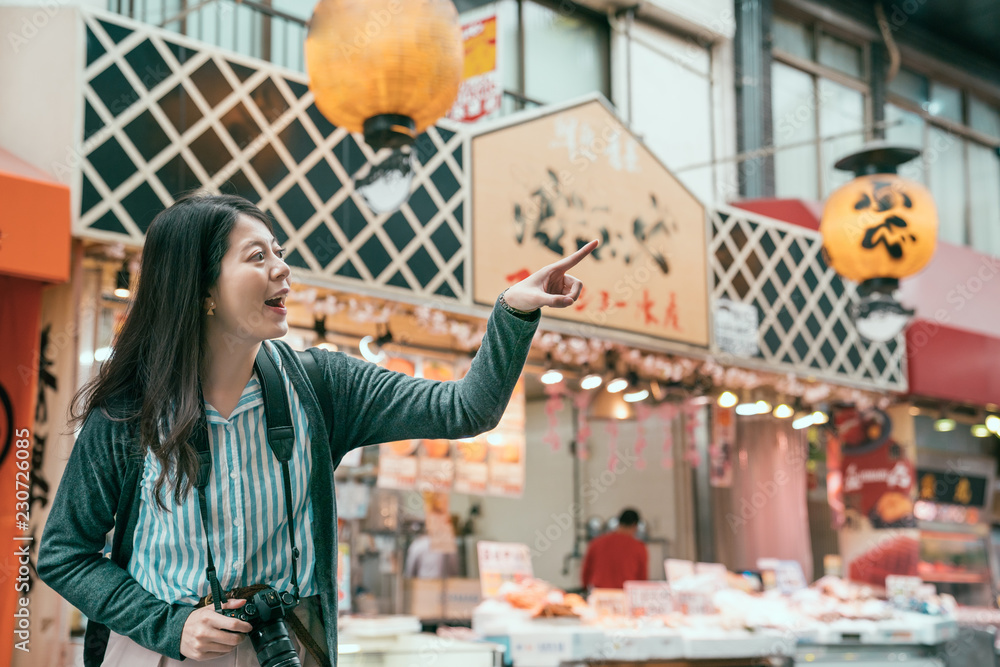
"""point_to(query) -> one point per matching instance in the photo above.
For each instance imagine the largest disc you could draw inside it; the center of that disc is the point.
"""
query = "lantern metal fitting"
(878, 229)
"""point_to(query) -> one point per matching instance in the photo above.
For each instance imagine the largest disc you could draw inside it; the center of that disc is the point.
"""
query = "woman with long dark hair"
(210, 298)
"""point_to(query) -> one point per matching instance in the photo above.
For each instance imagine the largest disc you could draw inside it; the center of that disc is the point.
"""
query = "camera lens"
(274, 645)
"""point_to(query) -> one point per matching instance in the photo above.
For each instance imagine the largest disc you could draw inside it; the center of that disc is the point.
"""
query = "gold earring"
(211, 308)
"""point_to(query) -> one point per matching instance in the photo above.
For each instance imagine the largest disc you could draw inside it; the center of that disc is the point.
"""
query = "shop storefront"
(730, 335)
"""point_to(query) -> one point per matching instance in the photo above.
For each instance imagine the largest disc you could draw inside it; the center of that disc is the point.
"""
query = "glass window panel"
(946, 102)
(842, 118)
(243, 39)
(508, 52)
(566, 54)
(297, 8)
(656, 115)
(906, 129)
(793, 38)
(910, 85)
(946, 156)
(683, 51)
(984, 118)
(984, 184)
(840, 55)
(794, 115)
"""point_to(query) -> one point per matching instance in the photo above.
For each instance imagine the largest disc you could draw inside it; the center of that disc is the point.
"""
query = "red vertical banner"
(879, 536)
(20, 312)
(722, 446)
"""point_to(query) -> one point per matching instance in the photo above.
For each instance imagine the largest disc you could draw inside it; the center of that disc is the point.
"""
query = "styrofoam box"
(415, 649)
(639, 645)
(911, 628)
(461, 597)
(737, 644)
(425, 598)
(543, 646)
(379, 626)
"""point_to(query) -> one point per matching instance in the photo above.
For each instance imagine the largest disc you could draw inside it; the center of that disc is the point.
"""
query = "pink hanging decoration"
(667, 413)
(642, 414)
(582, 402)
(612, 444)
(692, 414)
(552, 407)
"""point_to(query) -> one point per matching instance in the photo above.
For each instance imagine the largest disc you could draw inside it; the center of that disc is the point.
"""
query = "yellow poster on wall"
(480, 93)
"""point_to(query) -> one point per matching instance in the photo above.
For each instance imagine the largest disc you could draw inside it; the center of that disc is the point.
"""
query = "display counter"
(395, 641)
(831, 623)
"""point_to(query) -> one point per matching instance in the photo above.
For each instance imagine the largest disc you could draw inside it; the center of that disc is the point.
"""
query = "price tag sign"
(500, 562)
(648, 598)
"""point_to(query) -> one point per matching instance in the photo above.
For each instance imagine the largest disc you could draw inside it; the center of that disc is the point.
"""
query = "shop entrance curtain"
(763, 514)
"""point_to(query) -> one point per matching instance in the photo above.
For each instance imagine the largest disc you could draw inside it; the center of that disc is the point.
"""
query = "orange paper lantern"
(879, 226)
(388, 68)
(878, 229)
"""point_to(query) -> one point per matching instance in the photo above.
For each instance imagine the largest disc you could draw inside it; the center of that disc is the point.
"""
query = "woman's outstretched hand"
(550, 286)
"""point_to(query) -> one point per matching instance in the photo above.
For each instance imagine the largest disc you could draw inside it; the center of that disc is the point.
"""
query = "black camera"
(270, 637)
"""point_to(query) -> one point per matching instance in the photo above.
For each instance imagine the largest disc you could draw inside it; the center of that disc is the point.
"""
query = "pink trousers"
(123, 652)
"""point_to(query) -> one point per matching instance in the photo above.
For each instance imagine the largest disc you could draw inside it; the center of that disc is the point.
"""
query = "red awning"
(35, 222)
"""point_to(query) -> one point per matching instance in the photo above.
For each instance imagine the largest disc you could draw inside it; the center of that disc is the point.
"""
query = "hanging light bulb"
(385, 185)
(617, 385)
(783, 411)
(980, 431)
(552, 376)
(820, 417)
(123, 281)
(590, 379)
(944, 425)
(993, 423)
(763, 407)
(728, 399)
(804, 422)
(636, 396)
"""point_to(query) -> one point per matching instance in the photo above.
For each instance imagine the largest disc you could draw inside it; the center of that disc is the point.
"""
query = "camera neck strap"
(281, 440)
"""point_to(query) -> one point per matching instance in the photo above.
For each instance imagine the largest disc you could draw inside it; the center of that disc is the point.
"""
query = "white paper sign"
(736, 326)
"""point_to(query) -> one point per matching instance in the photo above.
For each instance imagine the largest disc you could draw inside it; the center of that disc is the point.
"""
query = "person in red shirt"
(616, 557)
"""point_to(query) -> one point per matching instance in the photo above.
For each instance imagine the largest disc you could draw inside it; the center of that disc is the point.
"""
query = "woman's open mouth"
(277, 304)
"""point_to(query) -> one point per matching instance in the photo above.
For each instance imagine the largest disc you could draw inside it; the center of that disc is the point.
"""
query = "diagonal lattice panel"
(164, 115)
(802, 304)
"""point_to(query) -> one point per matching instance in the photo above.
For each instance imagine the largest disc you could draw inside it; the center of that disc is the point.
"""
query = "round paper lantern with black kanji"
(388, 68)
(879, 226)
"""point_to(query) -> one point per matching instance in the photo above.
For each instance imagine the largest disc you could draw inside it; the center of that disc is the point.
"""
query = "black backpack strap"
(323, 393)
(95, 641)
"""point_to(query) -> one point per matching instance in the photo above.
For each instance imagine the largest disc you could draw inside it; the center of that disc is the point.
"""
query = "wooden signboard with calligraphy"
(545, 187)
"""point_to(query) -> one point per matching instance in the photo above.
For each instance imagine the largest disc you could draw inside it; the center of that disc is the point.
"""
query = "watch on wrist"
(511, 309)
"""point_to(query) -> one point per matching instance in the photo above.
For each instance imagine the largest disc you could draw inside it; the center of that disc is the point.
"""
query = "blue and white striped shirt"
(246, 510)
